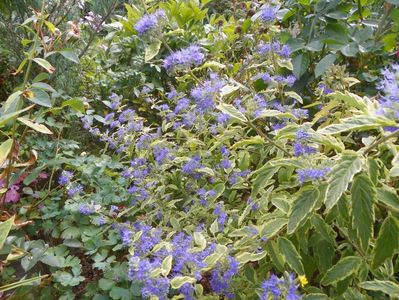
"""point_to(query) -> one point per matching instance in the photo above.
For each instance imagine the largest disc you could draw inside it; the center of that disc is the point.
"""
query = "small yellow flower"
(303, 280)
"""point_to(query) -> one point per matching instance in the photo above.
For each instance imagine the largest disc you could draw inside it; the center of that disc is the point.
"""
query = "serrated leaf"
(358, 123)
(272, 227)
(5, 149)
(38, 127)
(363, 199)
(387, 242)
(343, 269)
(5, 228)
(388, 287)
(232, 112)
(44, 64)
(341, 175)
(389, 197)
(324, 64)
(263, 177)
(152, 50)
(178, 281)
(291, 255)
(302, 208)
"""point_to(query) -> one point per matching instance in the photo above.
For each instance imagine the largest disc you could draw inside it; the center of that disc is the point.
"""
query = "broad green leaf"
(38, 96)
(358, 123)
(178, 281)
(272, 227)
(343, 269)
(44, 64)
(8, 117)
(5, 149)
(5, 228)
(38, 127)
(341, 175)
(11, 99)
(76, 104)
(363, 200)
(387, 242)
(388, 196)
(43, 86)
(291, 255)
(301, 64)
(324, 64)
(350, 99)
(388, 287)
(232, 112)
(302, 208)
(70, 55)
(152, 50)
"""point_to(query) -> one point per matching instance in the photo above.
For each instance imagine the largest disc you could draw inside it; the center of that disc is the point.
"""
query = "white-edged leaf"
(388, 287)
(44, 64)
(341, 176)
(343, 269)
(302, 208)
(232, 112)
(5, 149)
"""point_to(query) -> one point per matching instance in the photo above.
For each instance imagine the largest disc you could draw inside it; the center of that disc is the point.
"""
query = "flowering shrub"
(221, 171)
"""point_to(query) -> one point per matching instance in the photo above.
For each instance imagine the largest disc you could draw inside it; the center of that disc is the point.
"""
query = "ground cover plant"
(205, 149)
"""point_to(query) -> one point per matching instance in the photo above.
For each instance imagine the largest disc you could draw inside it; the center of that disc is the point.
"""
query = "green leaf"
(388, 287)
(5, 228)
(8, 117)
(76, 104)
(178, 281)
(166, 265)
(291, 255)
(272, 227)
(341, 175)
(245, 257)
(152, 50)
(324, 64)
(302, 208)
(363, 199)
(200, 240)
(301, 63)
(20, 283)
(232, 112)
(38, 96)
(387, 242)
(315, 296)
(343, 269)
(11, 99)
(388, 196)
(120, 293)
(359, 123)
(70, 55)
(38, 127)
(5, 149)
(263, 178)
(44, 64)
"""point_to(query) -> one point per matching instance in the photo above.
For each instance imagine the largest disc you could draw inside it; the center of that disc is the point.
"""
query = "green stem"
(376, 143)
(264, 135)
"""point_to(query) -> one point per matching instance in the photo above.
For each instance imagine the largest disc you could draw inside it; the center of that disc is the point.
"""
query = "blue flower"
(191, 167)
(312, 174)
(204, 95)
(268, 13)
(221, 214)
(271, 286)
(87, 209)
(65, 177)
(75, 190)
(149, 22)
(161, 154)
(184, 59)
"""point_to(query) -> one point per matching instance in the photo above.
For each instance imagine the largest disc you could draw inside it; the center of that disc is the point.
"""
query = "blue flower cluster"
(268, 13)
(184, 59)
(280, 287)
(312, 174)
(301, 146)
(283, 51)
(389, 85)
(204, 94)
(221, 279)
(149, 23)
